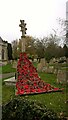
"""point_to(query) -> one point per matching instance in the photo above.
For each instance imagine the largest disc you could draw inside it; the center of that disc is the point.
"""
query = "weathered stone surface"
(47, 69)
(14, 64)
(43, 62)
(41, 66)
(62, 76)
(3, 50)
(50, 69)
(55, 71)
(35, 60)
(10, 81)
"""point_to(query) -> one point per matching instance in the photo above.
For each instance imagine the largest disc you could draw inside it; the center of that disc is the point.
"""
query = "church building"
(3, 50)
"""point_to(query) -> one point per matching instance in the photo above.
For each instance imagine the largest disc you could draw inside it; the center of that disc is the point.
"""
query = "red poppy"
(26, 86)
(28, 80)
(55, 89)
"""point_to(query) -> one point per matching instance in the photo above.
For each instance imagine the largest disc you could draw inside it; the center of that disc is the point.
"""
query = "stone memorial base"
(10, 81)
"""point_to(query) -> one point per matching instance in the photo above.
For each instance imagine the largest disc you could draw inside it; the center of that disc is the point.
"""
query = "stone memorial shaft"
(23, 30)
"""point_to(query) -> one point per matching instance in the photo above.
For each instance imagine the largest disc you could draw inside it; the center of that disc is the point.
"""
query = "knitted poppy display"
(28, 81)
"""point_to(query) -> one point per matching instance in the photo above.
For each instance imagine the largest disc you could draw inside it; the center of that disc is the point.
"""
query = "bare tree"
(15, 49)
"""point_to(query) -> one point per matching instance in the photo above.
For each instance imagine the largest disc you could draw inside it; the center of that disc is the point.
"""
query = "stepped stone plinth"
(10, 81)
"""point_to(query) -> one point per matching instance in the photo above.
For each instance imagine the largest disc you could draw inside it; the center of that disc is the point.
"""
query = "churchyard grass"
(7, 69)
(54, 100)
(7, 93)
(0, 69)
(0, 91)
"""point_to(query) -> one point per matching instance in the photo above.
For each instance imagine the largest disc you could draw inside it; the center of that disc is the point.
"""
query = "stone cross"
(23, 30)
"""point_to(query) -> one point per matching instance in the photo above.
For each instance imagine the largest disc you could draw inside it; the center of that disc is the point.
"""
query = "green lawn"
(0, 91)
(7, 69)
(7, 93)
(54, 100)
(0, 69)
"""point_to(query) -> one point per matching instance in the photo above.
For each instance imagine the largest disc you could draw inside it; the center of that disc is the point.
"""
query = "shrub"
(23, 109)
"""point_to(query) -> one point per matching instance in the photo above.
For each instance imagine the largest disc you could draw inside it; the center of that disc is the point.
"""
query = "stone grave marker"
(62, 76)
(48, 69)
(55, 71)
(41, 65)
(35, 60)
(14, 64)
(57, 66)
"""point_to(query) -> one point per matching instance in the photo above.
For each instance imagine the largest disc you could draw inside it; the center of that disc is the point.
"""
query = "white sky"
(40, 16)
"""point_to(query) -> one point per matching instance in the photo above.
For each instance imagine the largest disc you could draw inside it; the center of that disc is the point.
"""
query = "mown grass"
(0, 91)
(7, 69)
(0, 69)
(54, 100)
(7, 93)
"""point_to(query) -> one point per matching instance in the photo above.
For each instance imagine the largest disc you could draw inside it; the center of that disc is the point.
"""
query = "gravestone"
(52, 61)
(14, 64)
(35, 60)
(66, 61)
(57, 66)
(55, 71)
(41, 65)
(62, 76)
(42, 62)
(48, 69)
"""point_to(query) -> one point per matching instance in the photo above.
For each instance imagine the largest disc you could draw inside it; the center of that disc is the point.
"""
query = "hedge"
(23, 109)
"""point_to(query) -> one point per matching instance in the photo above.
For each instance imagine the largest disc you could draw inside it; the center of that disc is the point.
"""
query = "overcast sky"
(40, 16)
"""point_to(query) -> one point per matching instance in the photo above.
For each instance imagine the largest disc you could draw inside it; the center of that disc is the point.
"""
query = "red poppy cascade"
(28, 81)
